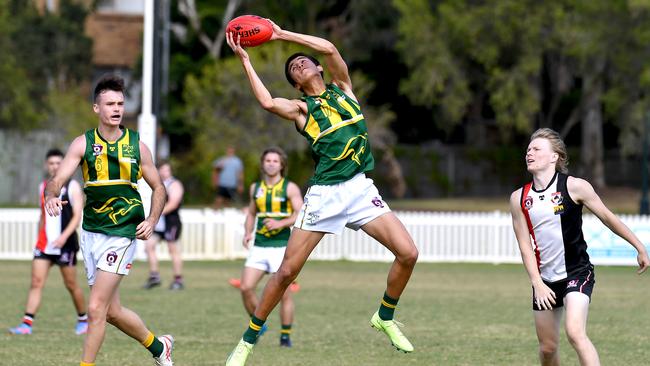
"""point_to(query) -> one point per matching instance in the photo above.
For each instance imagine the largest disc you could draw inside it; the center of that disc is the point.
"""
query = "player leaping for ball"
(330, 117)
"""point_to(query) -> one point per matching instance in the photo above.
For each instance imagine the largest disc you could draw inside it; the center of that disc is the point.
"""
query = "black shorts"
(172, 230)
(582, 282)
(227, 193)
(66, 258)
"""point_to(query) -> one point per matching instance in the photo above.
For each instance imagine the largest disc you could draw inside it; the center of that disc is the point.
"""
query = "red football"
(252, 30)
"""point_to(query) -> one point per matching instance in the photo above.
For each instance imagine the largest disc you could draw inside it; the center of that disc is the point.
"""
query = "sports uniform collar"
(532, 185)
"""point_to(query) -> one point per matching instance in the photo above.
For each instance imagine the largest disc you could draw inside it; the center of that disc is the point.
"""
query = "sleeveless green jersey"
(337, 132)
(111, 171)
(272, 202)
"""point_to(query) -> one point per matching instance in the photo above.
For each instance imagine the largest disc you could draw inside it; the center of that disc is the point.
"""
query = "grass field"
(455, 314)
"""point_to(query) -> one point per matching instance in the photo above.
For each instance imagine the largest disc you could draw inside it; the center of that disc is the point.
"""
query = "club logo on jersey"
(558, 210)
(377, 202)
(128, 151)
(556, 198)
(541, 197)
(111, 148)
(528, 202)
(97, 149)
(572, 283)
(118, 206)
(259, 193)
(354, 148)
(111, 257)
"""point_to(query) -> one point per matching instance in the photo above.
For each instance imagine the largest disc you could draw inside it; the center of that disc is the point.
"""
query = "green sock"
(254, 326)
(285, 333)
(153, 345)
(387, 307)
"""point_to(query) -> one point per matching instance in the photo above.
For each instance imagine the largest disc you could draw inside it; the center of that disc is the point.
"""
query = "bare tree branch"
(188, 9)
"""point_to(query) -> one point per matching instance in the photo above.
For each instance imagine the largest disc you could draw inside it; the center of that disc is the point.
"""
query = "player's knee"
(286, 275)
(246, 289)
(576, 335)
(70, 284)
(112, 315)
(37, 283)
(96, 312)
(409, 257)
(548, 349)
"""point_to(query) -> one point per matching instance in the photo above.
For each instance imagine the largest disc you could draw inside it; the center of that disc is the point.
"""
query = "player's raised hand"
(644, 262)
(235, 45)
(54, 205)
(276, 29)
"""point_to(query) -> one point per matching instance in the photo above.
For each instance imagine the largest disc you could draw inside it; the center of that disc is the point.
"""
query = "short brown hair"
(108, 82)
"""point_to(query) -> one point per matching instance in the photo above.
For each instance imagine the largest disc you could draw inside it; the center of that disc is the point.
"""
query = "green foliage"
(16, 108)
(221, 110)
(71, 113)
(461, 52)
(458, 50)
(43, 60)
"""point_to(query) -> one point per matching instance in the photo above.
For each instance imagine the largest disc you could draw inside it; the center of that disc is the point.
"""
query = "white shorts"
(351, 204)
(112, 254)
(267, 259)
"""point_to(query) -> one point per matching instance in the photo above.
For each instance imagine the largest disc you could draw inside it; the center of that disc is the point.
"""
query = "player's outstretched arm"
(582, 191)
(158, 195)
(333, 59)
(285, 108)
(53, 204)
(544, 296)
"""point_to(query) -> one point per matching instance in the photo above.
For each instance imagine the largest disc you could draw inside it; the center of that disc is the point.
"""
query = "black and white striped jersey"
(555, 225)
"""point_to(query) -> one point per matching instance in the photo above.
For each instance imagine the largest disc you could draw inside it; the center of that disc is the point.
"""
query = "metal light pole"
(146, 120)
(644, 206)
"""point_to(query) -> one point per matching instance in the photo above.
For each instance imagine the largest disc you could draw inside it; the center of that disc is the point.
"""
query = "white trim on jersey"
(547, 227)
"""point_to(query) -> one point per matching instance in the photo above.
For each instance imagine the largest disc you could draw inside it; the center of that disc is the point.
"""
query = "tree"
(43, 58)
(16, 108)
(529, 64)
(217, 106)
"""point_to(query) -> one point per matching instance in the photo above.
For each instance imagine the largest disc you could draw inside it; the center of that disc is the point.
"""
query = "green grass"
(455, 314)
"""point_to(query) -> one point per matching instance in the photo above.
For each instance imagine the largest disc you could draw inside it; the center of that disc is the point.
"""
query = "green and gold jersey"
(338, 135)
(272, 202)
(111, 171)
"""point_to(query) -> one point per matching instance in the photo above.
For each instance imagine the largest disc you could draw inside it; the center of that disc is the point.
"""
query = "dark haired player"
(112, 159)
(330, 118)
(57, 244)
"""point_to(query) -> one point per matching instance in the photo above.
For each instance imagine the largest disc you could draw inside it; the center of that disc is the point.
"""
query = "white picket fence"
(440, 237)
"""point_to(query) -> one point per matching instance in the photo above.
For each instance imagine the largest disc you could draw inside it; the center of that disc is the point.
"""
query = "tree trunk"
(394, 174)
(592, 149)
